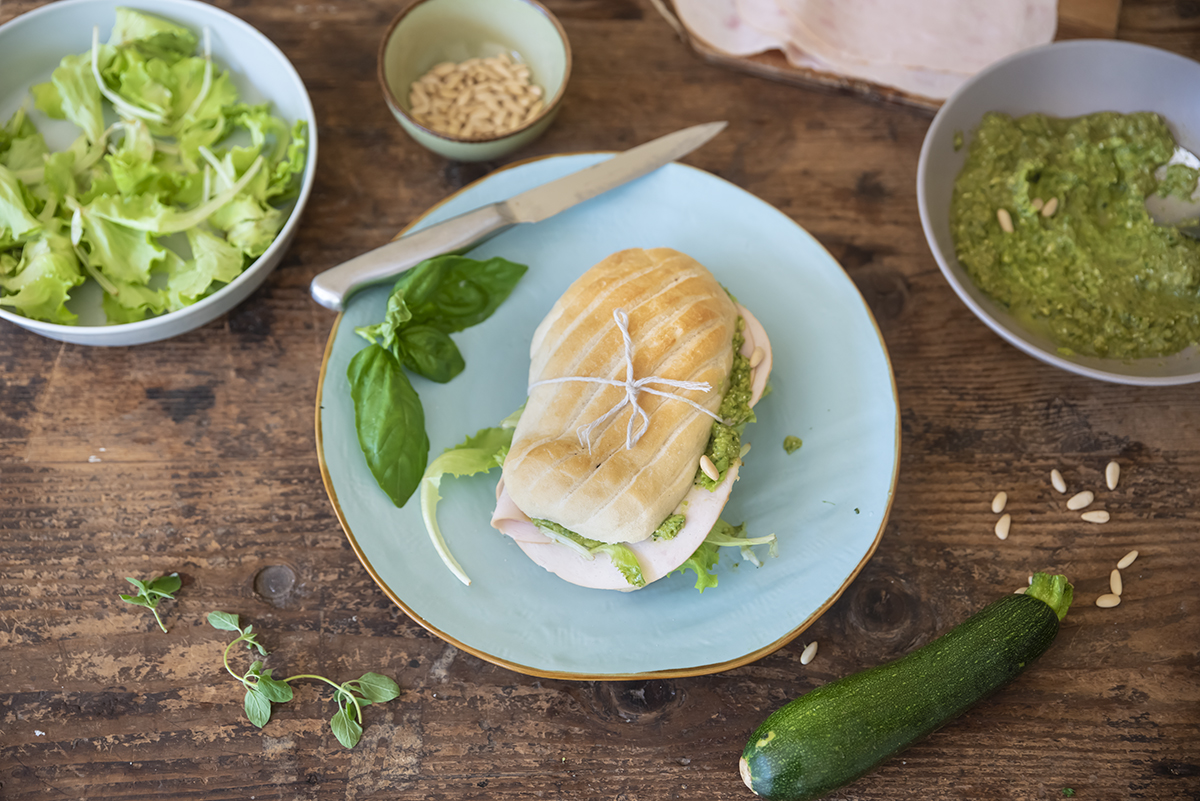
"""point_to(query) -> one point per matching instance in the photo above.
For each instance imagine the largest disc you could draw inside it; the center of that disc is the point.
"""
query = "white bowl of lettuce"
(150, 183)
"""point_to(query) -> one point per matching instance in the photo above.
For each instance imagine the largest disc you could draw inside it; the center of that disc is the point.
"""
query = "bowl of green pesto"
(1032, 187)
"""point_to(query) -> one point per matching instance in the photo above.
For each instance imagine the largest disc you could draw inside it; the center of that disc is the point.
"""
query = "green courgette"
(836, 733)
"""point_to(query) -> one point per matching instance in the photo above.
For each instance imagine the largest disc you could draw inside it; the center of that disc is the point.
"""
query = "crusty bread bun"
(681, 324)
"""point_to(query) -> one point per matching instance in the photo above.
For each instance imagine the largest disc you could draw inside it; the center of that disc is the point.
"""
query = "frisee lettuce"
(186, 157)
(476, 454)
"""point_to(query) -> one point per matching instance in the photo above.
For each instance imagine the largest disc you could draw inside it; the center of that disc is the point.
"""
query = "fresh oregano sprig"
(149, 593)
(262, 689)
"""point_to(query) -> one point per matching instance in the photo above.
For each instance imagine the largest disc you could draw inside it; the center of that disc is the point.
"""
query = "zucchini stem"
(1055, 591)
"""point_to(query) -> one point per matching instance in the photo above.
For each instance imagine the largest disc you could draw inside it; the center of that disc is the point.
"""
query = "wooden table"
(197, 455)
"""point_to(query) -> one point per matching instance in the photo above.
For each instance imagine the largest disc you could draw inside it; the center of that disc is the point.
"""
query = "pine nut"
(1005, 220)
(809, 652)
(1112, 475)
(1056, 480)
(1003, 525)
(1050, 207)
(478, 97)
(710, 469)
(745, 449)
(1020, 590)
(1108, 600)
(1114, 582)
(999, 502)
(1127, 559)
(756, 357)
(1037, 203)
(1095, 516)
(1081, 500)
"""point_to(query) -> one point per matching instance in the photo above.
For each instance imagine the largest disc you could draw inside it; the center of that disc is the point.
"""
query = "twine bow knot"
(633, 387)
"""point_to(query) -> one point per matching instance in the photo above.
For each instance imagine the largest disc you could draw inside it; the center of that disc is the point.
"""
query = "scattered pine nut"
(1005, 219)
(809, 652)
(1081, 500)
(745, 449)
(1112, 474)
(1108, 600)
(1037, 203)
(1031, 580)
(709, 468)
(1003, 525)
(1095, 516)
(1050, 207)
(1020, 590)
(1056, 480)
(756, 357)
(1127, 560)
(1114, 582)
(999, 502)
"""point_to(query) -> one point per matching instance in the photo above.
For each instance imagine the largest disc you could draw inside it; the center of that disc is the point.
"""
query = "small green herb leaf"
(150, 593)
(273, 689)
(167, 585)
(258, 707)
(223, 621)
(347, 730)
(376, 688)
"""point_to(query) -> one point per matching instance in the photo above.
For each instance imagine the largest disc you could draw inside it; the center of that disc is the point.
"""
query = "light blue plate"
(832, 386)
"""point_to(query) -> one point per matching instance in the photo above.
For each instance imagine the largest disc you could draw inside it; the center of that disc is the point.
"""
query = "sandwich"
(643, 376)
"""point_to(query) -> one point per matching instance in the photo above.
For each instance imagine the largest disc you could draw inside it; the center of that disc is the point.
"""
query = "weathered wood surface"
(206, 466)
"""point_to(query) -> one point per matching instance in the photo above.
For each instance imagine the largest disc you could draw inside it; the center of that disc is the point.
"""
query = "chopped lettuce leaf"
(41, 281)
(16, 218)
(477, 454)
(723, 535)
(72, 93)
(152, 35)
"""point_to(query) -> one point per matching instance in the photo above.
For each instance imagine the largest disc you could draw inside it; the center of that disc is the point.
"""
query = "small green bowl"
(429, 32)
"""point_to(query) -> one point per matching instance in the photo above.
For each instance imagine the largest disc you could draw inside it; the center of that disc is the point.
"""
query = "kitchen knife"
(333, 287)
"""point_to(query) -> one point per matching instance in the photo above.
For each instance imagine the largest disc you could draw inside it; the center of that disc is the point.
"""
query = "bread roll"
(681, 322)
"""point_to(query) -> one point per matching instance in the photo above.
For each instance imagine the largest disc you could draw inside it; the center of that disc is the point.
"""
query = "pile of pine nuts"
(479, 98)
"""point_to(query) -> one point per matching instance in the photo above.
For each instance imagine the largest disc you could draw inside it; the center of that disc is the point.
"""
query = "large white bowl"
(32, 45)
(1064, 79)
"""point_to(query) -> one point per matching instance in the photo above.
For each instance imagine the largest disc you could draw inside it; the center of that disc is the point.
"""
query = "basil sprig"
(436, 298)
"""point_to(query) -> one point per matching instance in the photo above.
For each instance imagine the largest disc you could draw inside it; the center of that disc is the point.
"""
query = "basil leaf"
(394, 318)
(258, 708)
(346, 730)
(390, 422)
(377, 688)
(224, 621)
(431, 353)
(452, 293)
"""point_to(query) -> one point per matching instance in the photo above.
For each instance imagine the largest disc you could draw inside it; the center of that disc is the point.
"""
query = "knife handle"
(333, 287)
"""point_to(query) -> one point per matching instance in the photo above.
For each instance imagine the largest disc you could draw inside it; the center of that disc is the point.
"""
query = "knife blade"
(333, 287)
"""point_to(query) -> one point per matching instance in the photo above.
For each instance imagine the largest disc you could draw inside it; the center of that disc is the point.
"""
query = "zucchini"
(836, 733)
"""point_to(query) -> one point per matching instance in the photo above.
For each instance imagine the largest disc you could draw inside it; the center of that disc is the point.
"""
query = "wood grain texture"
(204, 464)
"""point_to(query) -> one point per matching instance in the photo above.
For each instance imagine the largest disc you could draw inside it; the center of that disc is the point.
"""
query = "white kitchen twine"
(632, 389)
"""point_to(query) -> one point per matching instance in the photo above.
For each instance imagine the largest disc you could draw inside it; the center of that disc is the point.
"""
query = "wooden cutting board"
(1077, 19)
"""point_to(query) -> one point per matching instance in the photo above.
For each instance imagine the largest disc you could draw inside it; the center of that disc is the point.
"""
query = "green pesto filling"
(792, 444)
(725, 441)
(669, 528)
(622, 557)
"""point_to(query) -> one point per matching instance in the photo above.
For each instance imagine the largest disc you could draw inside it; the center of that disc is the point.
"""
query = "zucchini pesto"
(1048, 217)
